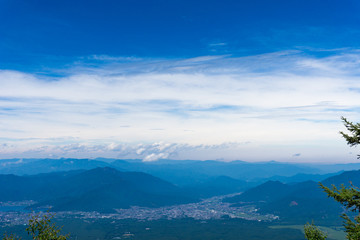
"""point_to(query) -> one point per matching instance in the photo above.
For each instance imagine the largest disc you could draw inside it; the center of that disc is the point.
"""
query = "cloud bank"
(281, 103)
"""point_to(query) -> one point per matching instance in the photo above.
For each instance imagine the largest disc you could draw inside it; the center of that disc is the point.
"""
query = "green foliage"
(353, 138)
(10, 237)
(352, 227)
(41, 228)
(313, 233)
(348, 196)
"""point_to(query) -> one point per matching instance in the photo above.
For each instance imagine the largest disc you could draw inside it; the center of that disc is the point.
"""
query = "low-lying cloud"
(146, 152)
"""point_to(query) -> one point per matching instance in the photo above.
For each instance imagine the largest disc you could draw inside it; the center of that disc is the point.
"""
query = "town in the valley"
(18, 213)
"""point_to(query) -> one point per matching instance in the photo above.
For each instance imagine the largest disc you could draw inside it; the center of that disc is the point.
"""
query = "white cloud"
(270, 99)
(147, 152)
(154, 157)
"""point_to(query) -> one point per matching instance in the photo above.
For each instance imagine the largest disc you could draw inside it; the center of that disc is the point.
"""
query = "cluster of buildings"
(212, 208)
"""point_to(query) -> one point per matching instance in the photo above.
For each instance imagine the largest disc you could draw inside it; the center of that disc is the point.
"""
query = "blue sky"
(251, 80)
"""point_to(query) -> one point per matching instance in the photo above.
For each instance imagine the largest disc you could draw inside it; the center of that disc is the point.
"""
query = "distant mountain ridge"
(92, 185)
(302, 177)
(100, 189)
(33, 166)
(303, 200)
(183, 172)
(266, 192)
(198, 179)
(347, 178)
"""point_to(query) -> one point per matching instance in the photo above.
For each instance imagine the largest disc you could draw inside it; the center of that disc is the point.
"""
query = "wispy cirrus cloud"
(271, 99)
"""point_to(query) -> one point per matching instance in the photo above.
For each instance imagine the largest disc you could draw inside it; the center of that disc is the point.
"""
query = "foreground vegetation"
(349, 197)
(182, 229)
(41, 227)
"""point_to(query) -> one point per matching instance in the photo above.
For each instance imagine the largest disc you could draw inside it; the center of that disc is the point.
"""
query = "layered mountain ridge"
(100, 189)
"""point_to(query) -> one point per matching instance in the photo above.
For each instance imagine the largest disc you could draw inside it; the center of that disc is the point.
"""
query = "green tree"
(348, 196)
(312, 232)
(41, 227)
(10, 237)
(352, 139)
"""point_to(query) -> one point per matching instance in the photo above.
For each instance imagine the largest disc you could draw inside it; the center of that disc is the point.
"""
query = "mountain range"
(104, 186)
(304, 200)
(184, 172)
(100, 189)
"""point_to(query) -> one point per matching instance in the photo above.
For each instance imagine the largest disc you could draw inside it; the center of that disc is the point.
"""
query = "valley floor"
(211, 208)
(176, 229)
(333, 233)
(210, 219)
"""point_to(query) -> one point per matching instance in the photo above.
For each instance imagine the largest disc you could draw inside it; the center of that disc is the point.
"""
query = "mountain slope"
(266, 192)
(347, 178)
(100, 189)
(303, 201)
(220, 185)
